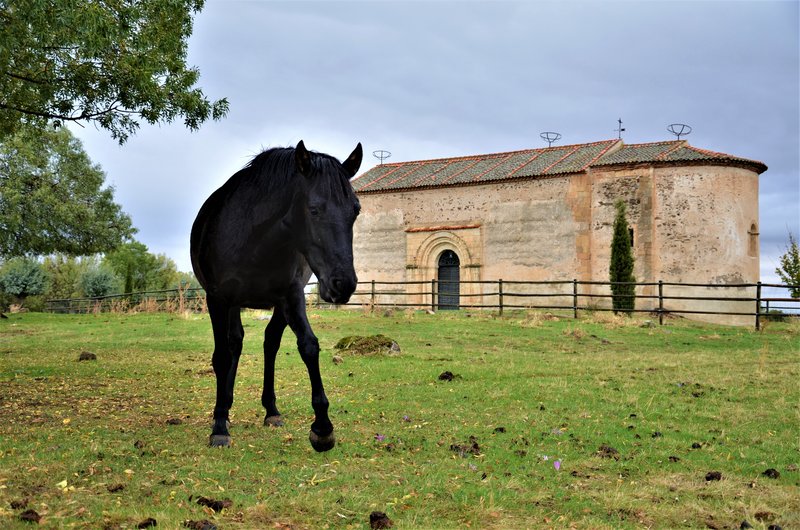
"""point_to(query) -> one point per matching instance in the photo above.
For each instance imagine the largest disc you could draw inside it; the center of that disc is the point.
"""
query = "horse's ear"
(302, 159)
(353, 161)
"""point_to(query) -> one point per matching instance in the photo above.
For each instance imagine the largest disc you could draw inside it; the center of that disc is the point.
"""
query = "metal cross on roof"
(619, 129)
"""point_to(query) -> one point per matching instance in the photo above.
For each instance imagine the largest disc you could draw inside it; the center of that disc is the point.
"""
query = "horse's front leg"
(272, 342)
(321, 435)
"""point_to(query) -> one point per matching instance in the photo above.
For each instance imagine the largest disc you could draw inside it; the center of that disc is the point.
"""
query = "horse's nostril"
(337, 284)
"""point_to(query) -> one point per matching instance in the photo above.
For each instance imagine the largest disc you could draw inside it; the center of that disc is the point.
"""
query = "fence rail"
(743, 300)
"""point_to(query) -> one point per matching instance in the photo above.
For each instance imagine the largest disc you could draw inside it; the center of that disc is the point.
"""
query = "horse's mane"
(275, 168)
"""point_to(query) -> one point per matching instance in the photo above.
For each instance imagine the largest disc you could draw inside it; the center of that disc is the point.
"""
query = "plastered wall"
(691, 224)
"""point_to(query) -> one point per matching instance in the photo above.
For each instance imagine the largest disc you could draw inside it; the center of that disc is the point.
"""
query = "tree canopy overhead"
(111, 63)
(52, 199)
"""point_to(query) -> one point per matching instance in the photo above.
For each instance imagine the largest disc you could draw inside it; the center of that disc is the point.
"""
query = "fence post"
(758, 306)
(575, 298)
(660, 302)
(500, 294)
(433, 294)
(372, 295)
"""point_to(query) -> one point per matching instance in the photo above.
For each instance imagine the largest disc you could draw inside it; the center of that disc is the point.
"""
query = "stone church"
(546, 214)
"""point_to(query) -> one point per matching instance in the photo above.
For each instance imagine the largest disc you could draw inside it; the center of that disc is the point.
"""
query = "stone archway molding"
(427, 255)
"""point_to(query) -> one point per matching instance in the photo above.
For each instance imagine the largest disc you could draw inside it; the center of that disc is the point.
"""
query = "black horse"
(255, 243)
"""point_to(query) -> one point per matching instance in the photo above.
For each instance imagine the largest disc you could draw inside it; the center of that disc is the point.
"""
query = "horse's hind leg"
(272, 341)
(228, 336)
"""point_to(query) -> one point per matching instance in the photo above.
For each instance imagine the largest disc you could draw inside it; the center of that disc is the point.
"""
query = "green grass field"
(548, 422)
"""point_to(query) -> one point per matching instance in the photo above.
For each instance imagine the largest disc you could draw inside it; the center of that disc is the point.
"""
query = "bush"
(98, 282)
(623, 297)
(23, 277)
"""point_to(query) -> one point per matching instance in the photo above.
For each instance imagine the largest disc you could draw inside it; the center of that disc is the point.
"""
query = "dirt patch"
(713, 476)
(469, 448)
(30, 516)
(87, 356)
(772, 473)
(147, 523)
(379, 520)
(447, 375)
(368, 346)
(606, 451)
(214, 504)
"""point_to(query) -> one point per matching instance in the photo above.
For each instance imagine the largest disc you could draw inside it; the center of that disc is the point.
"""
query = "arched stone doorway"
(449, 287)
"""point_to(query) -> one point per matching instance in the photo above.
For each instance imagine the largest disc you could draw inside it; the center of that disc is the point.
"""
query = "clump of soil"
(713, 475)
(606, 451)
(379, 520)
(216, 505)
(114, 488)
(371, 345)
(174, 421)
(147, 523)
(87, 356)
(469, 448)
(200, 525)
(30, 516)
(772, 473)
(447, 375)
(20, 504)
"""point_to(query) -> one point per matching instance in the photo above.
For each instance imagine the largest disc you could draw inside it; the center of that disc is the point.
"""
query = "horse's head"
(324, 217)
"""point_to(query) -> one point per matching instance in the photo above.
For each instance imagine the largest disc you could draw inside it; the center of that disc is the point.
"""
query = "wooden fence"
(746, 300)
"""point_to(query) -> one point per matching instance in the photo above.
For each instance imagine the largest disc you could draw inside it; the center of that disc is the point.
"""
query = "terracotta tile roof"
(673, 152)
(533, 163)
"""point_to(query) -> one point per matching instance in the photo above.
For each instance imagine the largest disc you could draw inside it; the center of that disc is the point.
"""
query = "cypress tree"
(621, 267)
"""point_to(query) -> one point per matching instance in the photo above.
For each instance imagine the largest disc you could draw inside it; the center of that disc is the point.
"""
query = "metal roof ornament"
(550, 137)
(679, 129)
(619, 129)
(381, 154)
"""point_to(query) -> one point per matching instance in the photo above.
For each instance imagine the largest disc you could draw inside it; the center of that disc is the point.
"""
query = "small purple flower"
(557, 465)
(406, 418)
(379, 437)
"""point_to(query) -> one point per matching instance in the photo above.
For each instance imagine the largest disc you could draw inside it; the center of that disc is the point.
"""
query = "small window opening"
(630, 233)
(752, 247)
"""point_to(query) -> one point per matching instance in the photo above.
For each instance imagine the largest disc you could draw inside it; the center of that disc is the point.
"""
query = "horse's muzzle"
(338, 288)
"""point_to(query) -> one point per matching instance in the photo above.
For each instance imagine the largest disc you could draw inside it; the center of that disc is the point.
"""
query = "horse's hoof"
(321, 443)
(273, 421)
(219, 440)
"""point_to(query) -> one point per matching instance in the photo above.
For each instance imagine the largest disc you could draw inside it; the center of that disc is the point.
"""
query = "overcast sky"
(441, 79)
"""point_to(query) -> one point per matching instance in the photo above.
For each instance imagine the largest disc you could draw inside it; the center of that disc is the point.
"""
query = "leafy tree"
(64, 273)
(51, 199)
(98, 281)
(621, 267)
(789, 269)
(23, 277)
(109, 63)
(139, 269)
(186, 280)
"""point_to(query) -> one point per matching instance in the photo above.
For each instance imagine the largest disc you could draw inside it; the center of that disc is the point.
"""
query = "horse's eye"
(313, 210)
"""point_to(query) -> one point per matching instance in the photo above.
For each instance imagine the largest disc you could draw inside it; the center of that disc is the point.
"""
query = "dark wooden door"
(449, 288)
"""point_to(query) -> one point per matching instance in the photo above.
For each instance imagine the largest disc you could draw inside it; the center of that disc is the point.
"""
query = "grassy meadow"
(548, 422)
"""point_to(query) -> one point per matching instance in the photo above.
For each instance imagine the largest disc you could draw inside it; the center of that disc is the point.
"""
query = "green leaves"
(621, 267)
(52, 200)
(110, 63)
(789, 269)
